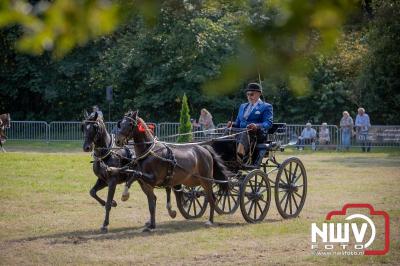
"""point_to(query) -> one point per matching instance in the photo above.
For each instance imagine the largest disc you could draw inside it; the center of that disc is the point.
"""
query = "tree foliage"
(315, 60)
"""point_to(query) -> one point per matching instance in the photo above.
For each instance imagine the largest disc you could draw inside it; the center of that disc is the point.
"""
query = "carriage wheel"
(290, 188)
(227, 202)
(255, 196)
(191, 202)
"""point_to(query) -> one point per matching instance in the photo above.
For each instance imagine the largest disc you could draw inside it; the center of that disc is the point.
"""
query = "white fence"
(378, 136)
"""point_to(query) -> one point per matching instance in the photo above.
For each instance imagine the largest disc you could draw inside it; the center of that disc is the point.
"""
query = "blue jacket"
(261, 115)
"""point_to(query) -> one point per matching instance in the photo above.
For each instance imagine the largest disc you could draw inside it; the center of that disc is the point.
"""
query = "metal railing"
(28, 130)
(378, 136)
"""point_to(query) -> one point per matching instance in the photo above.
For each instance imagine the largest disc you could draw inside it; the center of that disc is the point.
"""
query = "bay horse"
(161, 165)
(5, 121)
(98, 140)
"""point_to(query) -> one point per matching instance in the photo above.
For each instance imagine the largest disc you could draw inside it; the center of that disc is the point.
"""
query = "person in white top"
(324, 136)
(99, 113)
(308, 136)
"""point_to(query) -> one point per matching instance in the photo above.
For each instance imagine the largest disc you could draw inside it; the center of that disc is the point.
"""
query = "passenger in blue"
(255, 115)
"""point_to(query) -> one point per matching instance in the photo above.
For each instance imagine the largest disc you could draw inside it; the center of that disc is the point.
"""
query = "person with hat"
(254, 115)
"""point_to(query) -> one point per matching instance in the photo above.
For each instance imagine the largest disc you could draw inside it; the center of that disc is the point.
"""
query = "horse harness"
(169, 158)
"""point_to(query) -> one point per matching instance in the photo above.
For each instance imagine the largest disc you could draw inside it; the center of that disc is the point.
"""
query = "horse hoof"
(208, 224)
(104, 230)
(147, 230)
(172, 214)
(114, 203)
(125, 197)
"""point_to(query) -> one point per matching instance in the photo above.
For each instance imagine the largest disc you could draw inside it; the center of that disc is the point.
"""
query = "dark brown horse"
(159, 164)
(5, 121)
(98, 140)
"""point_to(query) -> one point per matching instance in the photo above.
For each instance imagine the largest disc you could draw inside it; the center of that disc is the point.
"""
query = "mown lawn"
(48, 217)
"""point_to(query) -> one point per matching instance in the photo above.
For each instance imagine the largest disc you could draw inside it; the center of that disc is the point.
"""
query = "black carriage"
(251, 187)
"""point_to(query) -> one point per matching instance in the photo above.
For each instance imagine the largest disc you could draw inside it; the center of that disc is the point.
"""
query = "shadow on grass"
(83, 236)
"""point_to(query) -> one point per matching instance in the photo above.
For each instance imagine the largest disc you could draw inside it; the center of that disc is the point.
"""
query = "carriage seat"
(276, 128)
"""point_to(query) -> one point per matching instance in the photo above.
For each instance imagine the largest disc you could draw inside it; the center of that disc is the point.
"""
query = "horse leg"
(135, 176)
(210, 197)
(151, 199)
(171, 212)
(112, 184)
(125, 193)
(100, 184)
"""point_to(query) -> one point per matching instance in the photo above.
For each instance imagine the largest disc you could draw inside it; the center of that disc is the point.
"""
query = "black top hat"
(253, 87)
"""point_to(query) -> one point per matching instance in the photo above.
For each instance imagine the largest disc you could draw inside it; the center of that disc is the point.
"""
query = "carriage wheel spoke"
(229, 202)
(197, 200)
(255, 210)
(295, 202)
(190, 206)
(259, 207)
(300, 196)
(286, 175)
(295, 171)
(185, 201)
(251, 207)
(234, 198)
(251, 186)
(223, 203)
(219, 198)
(290, 172)
(194, 207)
(286, 204)
(247, 202)
(297, 178)
(264, 201)
(283, 198)
(290, 203)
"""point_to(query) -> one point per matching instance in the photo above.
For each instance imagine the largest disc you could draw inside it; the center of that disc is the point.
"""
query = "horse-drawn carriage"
(201, 174)
(251, 187)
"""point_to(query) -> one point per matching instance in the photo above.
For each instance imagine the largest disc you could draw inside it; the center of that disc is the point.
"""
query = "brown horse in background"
(192, 165)
(5, 122)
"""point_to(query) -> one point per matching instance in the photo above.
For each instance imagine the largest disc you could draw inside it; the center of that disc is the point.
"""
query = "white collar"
(256, 103)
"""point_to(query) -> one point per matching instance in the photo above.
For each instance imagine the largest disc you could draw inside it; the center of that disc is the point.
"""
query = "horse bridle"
(97, 129)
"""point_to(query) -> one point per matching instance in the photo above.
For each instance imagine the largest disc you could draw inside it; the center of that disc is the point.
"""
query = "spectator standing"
(346, 129)
(362, 125)
(206, 120)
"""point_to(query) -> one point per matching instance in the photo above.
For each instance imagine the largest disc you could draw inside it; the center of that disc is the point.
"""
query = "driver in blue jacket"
(253, 115)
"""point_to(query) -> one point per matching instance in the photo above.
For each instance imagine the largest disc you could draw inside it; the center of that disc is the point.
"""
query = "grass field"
(48, 217)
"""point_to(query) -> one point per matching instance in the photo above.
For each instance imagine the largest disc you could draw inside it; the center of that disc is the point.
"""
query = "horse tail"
(220, 171)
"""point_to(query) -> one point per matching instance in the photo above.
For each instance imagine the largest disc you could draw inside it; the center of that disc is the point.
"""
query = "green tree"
(379, 82)
(185, 127)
